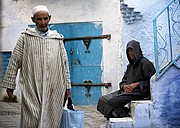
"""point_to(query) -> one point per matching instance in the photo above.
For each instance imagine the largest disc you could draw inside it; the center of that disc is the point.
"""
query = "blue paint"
(83, 66)
(168, 101)
(5, 61)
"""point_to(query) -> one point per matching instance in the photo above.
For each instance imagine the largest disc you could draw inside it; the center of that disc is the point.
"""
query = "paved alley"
(10, 116)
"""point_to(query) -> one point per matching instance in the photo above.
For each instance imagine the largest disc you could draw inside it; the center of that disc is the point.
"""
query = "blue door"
(84, 60)
(5, 56)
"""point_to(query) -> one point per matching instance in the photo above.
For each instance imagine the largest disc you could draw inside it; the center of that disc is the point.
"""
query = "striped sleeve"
(15, 63)
(67, 73)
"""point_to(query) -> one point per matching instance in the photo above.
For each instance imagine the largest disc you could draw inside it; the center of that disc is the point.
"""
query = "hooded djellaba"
(137, 77)
(44, 77)
(138, 70)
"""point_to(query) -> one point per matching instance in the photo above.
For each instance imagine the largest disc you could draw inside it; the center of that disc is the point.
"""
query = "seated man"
(135, 84)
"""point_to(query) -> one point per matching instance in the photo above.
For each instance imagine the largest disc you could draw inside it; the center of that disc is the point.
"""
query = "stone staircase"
(162, 111)
(129, 15)
(140, 116)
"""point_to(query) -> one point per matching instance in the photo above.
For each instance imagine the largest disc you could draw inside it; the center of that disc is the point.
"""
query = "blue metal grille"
(167, 37)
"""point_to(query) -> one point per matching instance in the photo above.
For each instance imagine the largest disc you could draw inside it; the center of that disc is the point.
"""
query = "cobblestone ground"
(92, 118)
(10, 116)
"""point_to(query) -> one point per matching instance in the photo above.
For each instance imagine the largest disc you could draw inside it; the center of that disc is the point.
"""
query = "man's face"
(41, 19)
(131, 54)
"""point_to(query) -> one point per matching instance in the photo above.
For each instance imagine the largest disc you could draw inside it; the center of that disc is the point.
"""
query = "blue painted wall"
(166, 99)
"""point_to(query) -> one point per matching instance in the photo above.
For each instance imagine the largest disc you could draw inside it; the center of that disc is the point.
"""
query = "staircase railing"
(167, 37)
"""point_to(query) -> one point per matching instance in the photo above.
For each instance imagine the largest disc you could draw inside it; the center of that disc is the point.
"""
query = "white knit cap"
(39, 8)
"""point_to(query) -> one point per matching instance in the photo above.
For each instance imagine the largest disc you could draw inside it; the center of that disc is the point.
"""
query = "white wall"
(16, 16)
(142, 30)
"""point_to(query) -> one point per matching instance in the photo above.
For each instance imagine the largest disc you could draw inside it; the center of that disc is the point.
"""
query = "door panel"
(84, 63)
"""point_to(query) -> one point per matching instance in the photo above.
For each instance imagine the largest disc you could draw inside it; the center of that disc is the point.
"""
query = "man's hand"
(130, 87)
(134, 85)
(10, 92)
(68, 93)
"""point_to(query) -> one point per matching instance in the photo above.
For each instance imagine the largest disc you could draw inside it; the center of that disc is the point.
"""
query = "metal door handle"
(106, 85)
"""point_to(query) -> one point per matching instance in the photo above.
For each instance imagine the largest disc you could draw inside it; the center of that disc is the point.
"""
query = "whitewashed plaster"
(16, 15)
(142, 30)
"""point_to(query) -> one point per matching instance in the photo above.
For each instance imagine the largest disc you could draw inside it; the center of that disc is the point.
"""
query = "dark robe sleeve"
(148, 71)
(124, 79)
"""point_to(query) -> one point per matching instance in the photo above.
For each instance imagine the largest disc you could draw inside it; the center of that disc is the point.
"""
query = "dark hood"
(135, 45)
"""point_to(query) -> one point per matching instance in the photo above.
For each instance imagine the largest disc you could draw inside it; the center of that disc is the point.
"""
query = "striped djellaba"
(43, 78)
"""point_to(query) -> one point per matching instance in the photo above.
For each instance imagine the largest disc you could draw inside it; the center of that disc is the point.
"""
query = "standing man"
(135, 84)
(44, 75)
